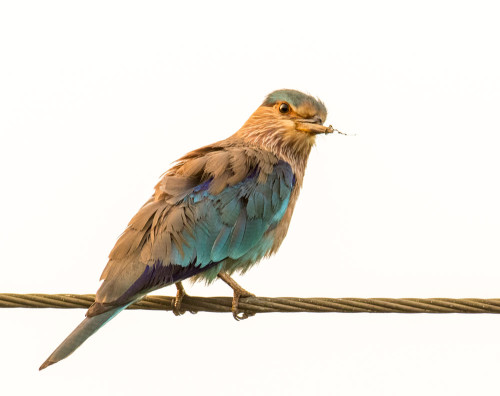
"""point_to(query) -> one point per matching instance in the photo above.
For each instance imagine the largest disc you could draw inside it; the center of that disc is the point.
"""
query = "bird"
(218, 210)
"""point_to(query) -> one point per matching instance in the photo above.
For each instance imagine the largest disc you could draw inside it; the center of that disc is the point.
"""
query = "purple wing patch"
(158, 275)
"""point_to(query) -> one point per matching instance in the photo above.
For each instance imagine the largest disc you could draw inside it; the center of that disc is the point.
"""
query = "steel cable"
(267, 304)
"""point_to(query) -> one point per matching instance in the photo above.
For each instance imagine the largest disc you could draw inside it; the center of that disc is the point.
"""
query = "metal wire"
(267, 304)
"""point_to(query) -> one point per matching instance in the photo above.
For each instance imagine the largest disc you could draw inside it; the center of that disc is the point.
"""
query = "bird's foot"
(176, 307)
(238, 292)
(176, 304)
(237, 315)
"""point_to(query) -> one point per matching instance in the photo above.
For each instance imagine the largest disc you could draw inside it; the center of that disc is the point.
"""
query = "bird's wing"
(196, 225)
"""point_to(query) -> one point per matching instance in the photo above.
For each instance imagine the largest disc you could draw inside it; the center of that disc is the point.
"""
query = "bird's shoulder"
(221, 165)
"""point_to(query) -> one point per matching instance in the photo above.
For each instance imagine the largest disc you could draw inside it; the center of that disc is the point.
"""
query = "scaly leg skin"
(176, 304)
(238, 293)
(176, 309)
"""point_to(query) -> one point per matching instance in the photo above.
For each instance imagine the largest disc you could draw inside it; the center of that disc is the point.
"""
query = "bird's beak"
(312, 126)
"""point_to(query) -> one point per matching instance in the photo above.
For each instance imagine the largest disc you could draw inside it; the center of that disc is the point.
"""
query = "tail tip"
(46, 364)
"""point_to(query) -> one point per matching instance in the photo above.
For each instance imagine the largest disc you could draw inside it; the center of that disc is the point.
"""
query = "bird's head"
(297, 111)
(286, 123)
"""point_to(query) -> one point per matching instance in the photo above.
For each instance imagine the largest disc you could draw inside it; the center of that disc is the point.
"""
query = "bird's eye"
(284, 108)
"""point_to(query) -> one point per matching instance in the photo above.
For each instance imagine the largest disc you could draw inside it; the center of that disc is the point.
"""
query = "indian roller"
(220, 209)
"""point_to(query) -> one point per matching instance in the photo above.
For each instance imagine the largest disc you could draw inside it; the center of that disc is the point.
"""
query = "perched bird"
(219, 209)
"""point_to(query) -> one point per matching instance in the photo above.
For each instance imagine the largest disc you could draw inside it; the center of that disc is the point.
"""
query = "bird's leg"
(176, 309)
(176, 304)
(238, 293)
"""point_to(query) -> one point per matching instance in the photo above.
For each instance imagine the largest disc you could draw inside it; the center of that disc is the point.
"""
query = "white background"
(97, 99)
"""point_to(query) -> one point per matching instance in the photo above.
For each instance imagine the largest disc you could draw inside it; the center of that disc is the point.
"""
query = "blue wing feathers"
(230, 212)
(237, 235)
(235, 220)
(220, 248)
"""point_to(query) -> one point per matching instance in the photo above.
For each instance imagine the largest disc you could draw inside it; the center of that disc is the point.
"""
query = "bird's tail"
(84, 330)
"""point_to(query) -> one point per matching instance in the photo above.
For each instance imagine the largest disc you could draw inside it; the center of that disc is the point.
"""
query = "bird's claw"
(176, 304)
(238, 292)
(237, 314)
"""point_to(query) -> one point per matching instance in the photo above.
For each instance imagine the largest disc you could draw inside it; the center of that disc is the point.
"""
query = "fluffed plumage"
(221, 208)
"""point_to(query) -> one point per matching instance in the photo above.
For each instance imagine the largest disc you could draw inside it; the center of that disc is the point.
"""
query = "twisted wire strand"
(267, 304)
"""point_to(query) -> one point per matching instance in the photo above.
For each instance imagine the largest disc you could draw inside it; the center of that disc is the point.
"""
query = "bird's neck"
(265, 132)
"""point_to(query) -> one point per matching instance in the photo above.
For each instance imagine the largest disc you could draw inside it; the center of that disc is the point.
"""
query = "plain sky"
(98, 98)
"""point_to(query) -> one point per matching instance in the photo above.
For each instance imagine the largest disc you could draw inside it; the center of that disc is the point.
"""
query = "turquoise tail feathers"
(84, 330)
